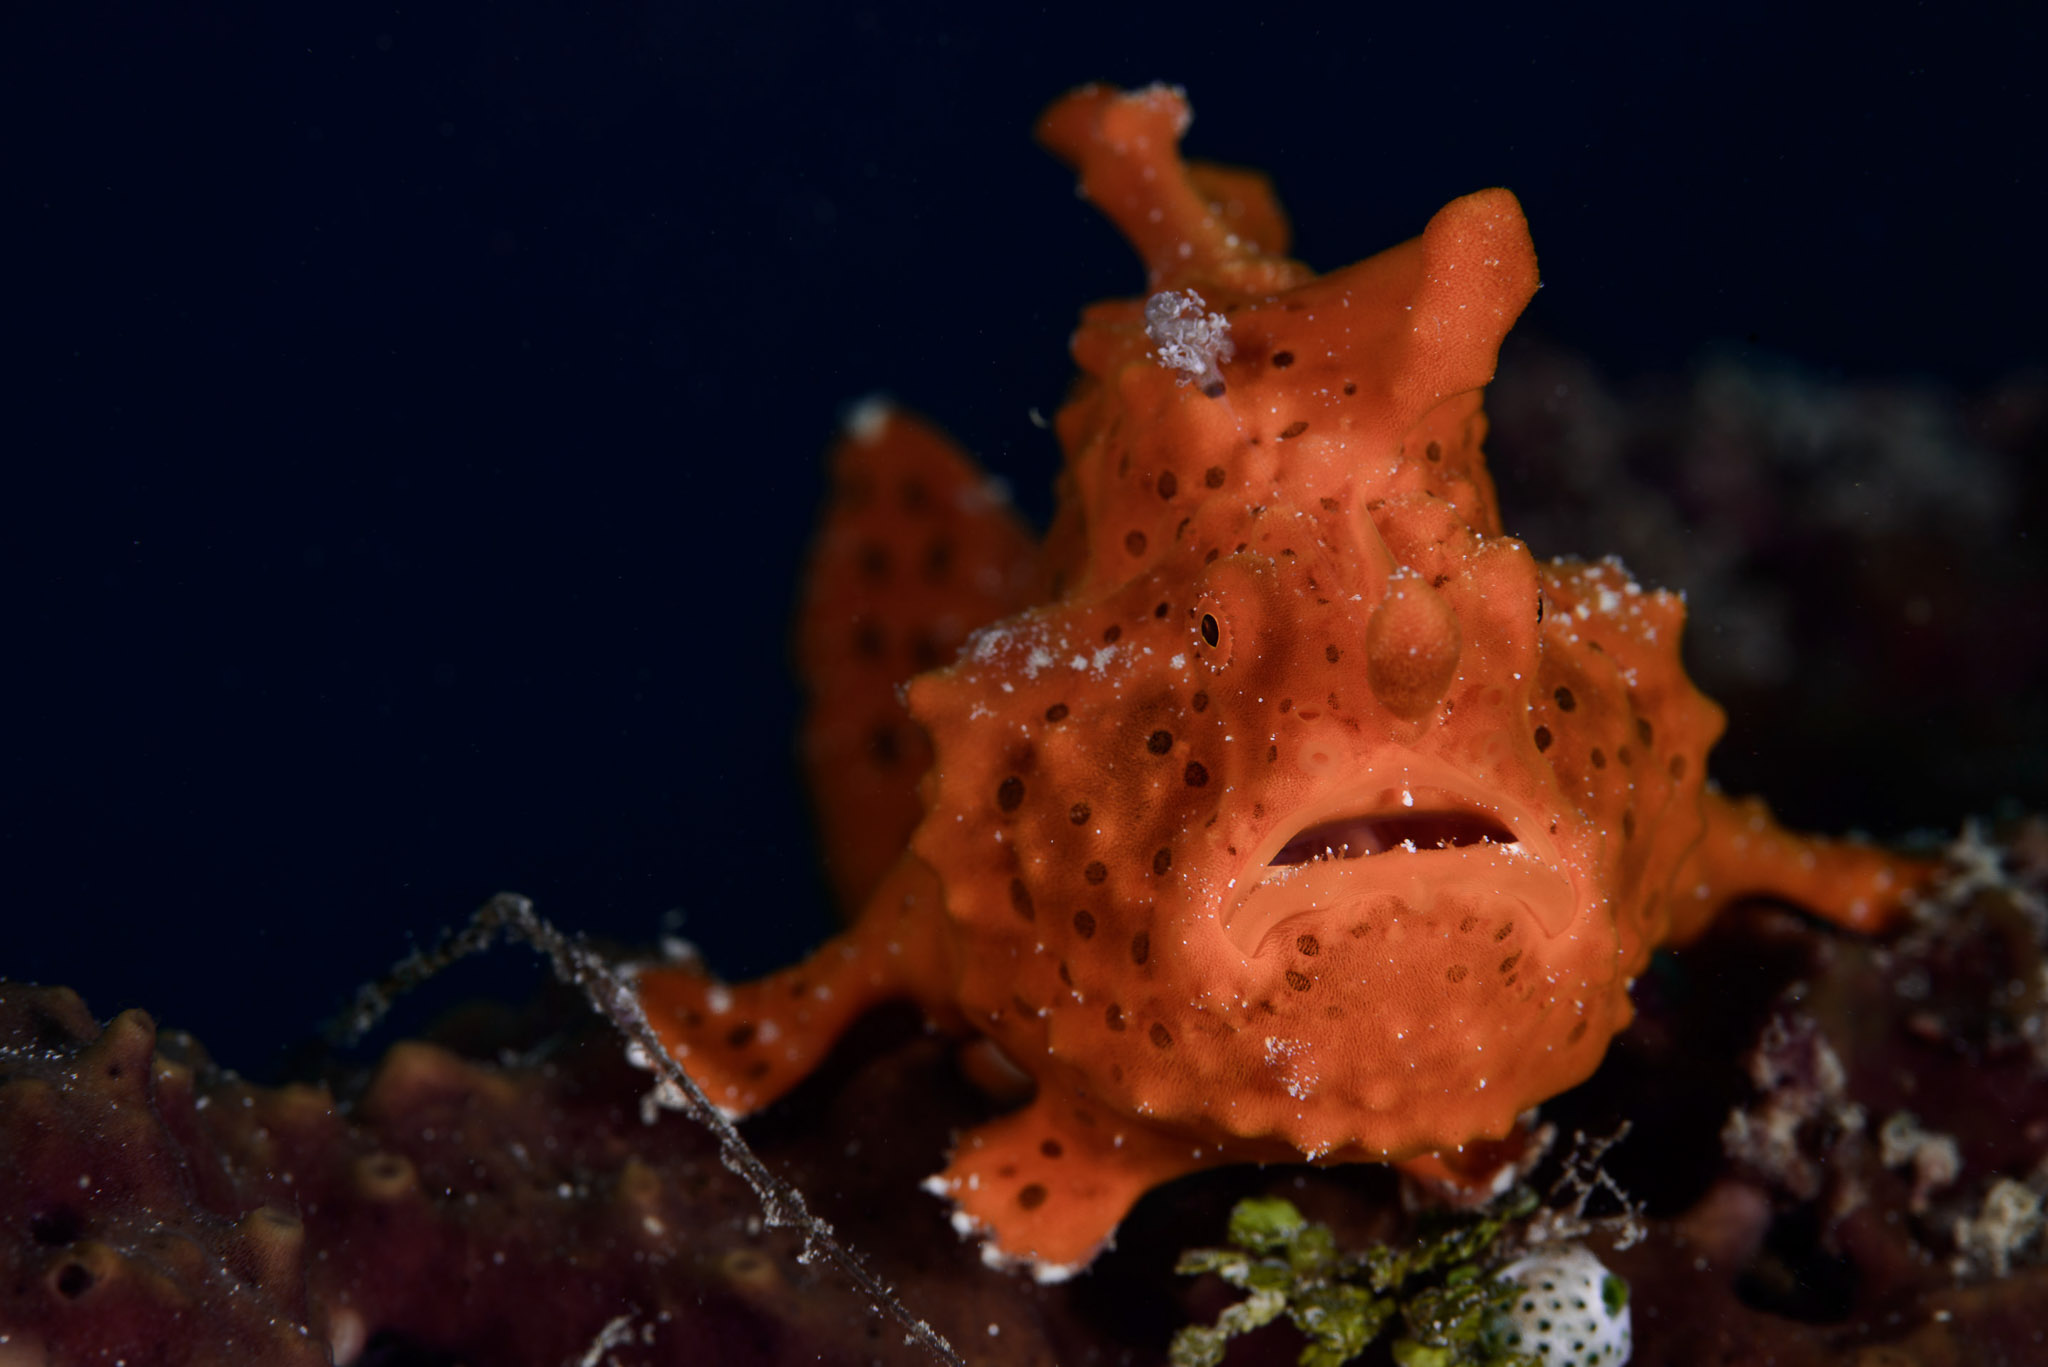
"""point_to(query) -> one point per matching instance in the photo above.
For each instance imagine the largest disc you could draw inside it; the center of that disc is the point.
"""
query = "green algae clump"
(1441, 1287)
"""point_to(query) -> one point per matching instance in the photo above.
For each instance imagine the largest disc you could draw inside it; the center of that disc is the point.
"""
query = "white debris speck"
(1294, 1062)
(866, 419)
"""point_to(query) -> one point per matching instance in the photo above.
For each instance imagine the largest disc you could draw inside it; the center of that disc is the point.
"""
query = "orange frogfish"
(1277, 806)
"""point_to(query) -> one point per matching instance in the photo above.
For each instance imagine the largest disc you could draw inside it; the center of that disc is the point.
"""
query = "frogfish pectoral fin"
(1744, 852)
(746, 1044)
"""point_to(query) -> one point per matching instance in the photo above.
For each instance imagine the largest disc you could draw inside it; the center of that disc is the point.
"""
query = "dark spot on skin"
(1542, 738)
(1504, 932)
(1578, 1033)
(74, 1281)
(1066, 976)
(1160, 611)
(1435, 450)
(1114, 1017)
(1010, 793)
(1057, 712)
(1331, 653)
(1168, 485)
(1032, 1197)
(1350, 387)
(1628, 824)
(1195, 775)
(1161, 1036)
(1159, 742)
(1677, 768)
(882, 746)
(867, 641)
(1213, 390)
(1643, 731)
(1329, 506)
(1507, 965)
(874, 560)
(1020, 898)
(1111, 634)
(1051, 1148)
(1286, 706)
(1272, 753)
(1565, 701)
(1141, 947)
(1162, 860)
(1134, 542)
(740, 1036)
(1466, 923)
(1096, 871)
(1212, 631)
(938, 561)
(1292, 430)
(1599, 758)
(1084, 924)
(1625, 755)
(1078, 813)
(1298, 981)
(924, 653)
(1200, 702)
(1210, 558)
(1213, 477)
(1308, 945)
(1282, 359)
(757, 1070)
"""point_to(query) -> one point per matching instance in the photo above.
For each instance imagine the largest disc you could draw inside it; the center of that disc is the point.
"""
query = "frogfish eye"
(1212, 634)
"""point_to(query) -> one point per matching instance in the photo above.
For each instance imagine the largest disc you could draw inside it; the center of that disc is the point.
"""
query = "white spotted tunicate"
(1571, 1311)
